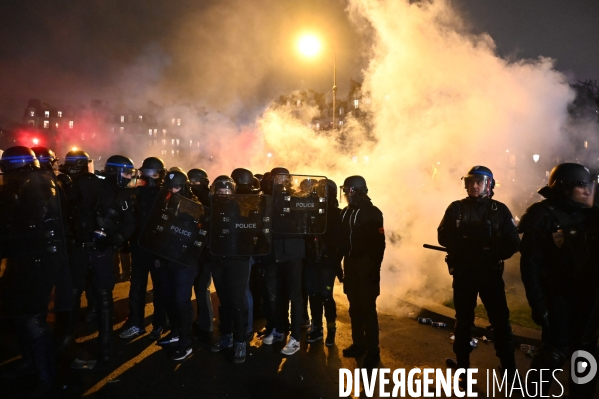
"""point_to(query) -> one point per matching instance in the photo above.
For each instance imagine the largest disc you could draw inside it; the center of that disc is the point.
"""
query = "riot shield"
(240, 225)
(299, 204)
(175, 229)
(32, 242)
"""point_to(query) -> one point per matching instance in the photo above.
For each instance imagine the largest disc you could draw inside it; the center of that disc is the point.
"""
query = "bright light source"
(536, 158)
(309, 45)
(269, 155)
(36, 141)
(73, 148)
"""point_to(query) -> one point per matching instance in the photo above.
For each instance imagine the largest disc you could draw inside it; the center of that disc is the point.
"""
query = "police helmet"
(224, 185)
(568, 175)
(331, 188)
(481, 173)
(354, 184)
(256, 184)
(122, 167)
(259, 176)
(176, 169)
(18, 158)
(46, 156)
(153, 171)
(76, 162)
(198, 175)
(175, 179)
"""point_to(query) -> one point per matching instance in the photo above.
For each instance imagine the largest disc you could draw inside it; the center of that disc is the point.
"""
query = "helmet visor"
(477, 185)
(150, 173)
(584, 193)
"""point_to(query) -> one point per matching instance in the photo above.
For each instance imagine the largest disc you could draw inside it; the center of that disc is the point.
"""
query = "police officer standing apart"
(102, 220)
(560, 270)
(363, 248)
(479, 234)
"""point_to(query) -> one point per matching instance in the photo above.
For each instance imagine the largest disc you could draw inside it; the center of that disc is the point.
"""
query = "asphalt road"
(142, 369)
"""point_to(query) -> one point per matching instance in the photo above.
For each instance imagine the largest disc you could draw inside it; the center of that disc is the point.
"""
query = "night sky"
(235, 55)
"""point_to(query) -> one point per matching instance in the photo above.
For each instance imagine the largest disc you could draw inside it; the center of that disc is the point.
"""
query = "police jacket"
(560, 245)
(362, 231)
(324, 250)
(478, 231)
(145, 197)
(98, 203)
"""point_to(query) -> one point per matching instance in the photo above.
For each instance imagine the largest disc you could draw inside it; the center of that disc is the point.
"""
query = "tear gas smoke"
(441, 101)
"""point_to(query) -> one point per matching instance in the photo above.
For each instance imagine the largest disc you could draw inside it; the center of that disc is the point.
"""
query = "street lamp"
(309, 45)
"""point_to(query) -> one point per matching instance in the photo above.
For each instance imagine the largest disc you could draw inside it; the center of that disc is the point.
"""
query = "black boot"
(105, 325)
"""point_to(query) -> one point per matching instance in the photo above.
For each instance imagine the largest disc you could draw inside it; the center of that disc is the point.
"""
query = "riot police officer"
(322, 265)
(231, 275)
(200, 185)
(283, 274)
(33, 243)
(479, 234)
(103, 219)
(143, 262)
(177, 278)
(560, 254)
(363, 248)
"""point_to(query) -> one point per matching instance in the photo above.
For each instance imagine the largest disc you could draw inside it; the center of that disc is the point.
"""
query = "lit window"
(163, 152)
(47, 114)
(163, 142)
(46, 124)
(150, 131)
(177, 142)
(163, 132)
(299, 103)
(178, 122)
(122, 118)
(56, 124)
(356, 103)
(340, 110)
(172, 152)
(32, 122)
(367, 101)
(32, 113)
(177, 152)
(59, 114)
(122, 129)
(140, 118)
(190, 143)
(155, 132)
(173, 122)
(173, 142)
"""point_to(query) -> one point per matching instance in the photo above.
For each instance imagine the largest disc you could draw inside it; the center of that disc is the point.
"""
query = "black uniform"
(363, 248)
(322, 265)
(479, 233)
(103, 218)
(560, 271)
(33, 244)
(142, 263)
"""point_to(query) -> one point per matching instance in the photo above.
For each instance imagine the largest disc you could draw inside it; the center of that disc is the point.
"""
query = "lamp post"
(309, 46)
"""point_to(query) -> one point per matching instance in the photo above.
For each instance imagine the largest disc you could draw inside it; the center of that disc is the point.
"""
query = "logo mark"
(578, 367)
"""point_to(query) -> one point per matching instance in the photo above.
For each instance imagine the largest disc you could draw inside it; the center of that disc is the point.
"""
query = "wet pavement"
(142, 369)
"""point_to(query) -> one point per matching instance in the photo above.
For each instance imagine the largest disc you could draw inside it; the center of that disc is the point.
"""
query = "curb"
(423, 307)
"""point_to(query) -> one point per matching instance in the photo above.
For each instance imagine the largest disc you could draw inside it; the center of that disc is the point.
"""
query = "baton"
(435, 248)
